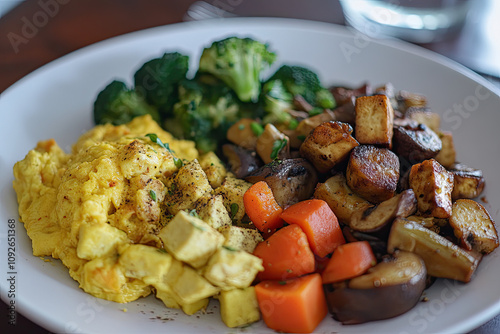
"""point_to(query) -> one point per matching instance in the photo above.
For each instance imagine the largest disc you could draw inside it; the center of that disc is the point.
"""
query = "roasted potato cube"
(424, 115)
(432, 185)
(269, 141)
(241, 134)
(373, 173)
(442, 257)
(473, 226)
(241, 238)
(375, 218)
(212, 211)
(328, 144)
(213, 168)
(468, 182)
(307, 125)
(341, 199)
(374, 120)
(407, 100)
(231, 268)
(232, 191)
(415, 142)
(447, 155)
(190, 239)
(239, 307)
(188, 185)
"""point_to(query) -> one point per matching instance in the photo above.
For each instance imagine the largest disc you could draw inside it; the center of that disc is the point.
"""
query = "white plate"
(56, 102)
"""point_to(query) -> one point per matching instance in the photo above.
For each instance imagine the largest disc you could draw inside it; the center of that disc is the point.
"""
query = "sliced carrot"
(319, 222)
(348, 261)
(285, 254)
(296, 305)
(262, 208)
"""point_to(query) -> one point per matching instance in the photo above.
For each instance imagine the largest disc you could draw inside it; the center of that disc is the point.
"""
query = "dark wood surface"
(37, 32)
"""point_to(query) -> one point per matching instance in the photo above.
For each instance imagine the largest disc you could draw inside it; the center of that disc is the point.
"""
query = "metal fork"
(201, 10)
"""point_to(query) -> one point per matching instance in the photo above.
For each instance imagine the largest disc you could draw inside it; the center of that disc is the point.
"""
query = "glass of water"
(418, 21)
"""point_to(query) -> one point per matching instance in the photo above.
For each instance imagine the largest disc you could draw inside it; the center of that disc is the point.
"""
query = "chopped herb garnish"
(152, 194)
(278, 145)
(241, 126)
(234, 210)
(161, 250)
(301, 137)
(315, 111)
(155, 139)
(201, 228)
(282, 282)
(193, 213)
(229, 248)
(293, 124)
(256, 128)
(178, 162)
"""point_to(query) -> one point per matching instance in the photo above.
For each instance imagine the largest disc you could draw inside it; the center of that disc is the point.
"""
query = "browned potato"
(406, 100)
(267, 141)
(415, 142)
(442, 257)
(340, 197)
(473, 226)
(424, 115)
(374, 120)
(328, 144)
(241, 134)
(375, 218)
(307, 125)
(432, 185)
(373, 173)
(468, 182)
(447, 155)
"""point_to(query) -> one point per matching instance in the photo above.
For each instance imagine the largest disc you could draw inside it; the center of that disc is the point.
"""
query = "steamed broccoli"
(276, 101)
(238, 62)
(158, 78)
(302, 81)
(205, 110)
(117, 104)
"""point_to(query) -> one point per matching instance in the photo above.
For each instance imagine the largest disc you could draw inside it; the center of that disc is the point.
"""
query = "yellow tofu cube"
(171, 300)
(242, 238)
(212, 211)
(98, 240)
(189, 184)
(239, 307)
(190, 239)
(148, 263)
(191, 287)
(229, 268)
(168, 297)
(232, 191)
(213, 168)
(374, 120)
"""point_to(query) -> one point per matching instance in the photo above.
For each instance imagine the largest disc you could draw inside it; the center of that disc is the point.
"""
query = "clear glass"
(419, 21)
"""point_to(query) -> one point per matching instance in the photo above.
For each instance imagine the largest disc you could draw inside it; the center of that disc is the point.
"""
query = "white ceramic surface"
(56, 101)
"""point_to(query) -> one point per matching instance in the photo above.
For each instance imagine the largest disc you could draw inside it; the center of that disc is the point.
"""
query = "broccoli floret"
(205, 110)
(238, 62)
(276, 101)
(117, 104)
(158, 80)
(302, 81)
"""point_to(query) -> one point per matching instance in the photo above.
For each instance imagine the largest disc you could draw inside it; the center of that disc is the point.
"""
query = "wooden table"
(37, 32)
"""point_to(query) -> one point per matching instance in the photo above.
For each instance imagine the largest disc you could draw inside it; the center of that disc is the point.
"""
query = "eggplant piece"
(291, 180)
(415, 142)
(391, 288)
(442, 257)
(467, 182)
(379, 217)
(242, 162)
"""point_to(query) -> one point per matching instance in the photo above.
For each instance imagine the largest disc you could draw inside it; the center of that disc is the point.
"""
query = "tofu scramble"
(128, 221)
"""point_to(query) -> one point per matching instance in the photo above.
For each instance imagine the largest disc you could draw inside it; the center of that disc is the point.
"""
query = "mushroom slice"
(415, 142)
(291, 180)
(241, 161)
(389, 289)
(376, 218)
(442, 257)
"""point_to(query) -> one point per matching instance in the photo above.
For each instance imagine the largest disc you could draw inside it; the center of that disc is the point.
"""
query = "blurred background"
(35, 32)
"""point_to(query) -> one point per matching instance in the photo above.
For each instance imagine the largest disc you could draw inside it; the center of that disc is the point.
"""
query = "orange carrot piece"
(319, 222)
(348, 261)
(285, 254)
(296, 305)
(262, 208)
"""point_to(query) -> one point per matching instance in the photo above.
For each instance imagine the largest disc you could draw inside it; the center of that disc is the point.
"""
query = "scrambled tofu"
(119, 210)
